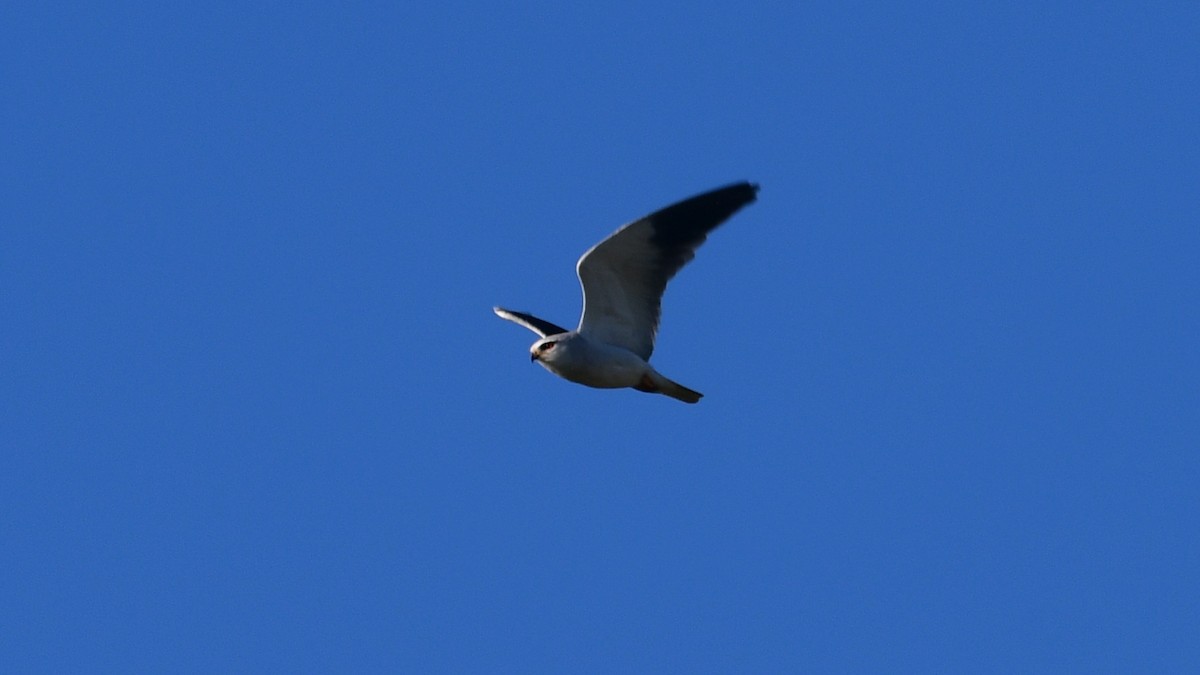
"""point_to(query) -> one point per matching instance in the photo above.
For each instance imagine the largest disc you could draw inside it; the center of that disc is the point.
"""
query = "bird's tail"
(655, 383)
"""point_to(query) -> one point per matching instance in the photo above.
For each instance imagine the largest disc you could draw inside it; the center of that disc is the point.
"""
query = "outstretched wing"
(624, 276)
(539, 326)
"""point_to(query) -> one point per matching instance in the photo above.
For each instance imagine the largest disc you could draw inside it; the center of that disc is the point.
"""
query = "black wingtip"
(733, 196)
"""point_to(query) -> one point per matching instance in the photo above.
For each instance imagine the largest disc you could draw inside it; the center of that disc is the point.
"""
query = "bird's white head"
(544, 350)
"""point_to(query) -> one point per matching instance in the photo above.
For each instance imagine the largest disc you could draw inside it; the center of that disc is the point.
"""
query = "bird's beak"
(532, 357)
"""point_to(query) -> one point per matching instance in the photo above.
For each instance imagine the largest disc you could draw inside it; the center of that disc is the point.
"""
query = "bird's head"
(544, 350)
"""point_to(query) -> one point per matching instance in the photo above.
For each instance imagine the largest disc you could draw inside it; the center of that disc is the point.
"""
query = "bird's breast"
(600, 366)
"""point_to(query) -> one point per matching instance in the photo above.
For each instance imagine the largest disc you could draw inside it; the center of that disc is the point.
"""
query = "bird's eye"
(546, 346)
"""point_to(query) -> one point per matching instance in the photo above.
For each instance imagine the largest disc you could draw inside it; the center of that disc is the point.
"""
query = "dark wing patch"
(540, 326)
(679, 229)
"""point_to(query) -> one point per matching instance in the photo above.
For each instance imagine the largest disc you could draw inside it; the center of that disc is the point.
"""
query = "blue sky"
(257, 414)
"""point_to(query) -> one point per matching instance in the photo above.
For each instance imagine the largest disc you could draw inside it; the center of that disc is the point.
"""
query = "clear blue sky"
(257, 414)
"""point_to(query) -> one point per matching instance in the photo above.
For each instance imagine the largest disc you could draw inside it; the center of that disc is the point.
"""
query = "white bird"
(623, 279)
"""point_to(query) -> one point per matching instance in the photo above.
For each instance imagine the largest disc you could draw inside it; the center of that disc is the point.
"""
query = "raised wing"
(624, 276)
(540, 326)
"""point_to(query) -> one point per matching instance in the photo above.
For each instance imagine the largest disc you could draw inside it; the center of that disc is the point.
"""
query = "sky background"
(257, 414)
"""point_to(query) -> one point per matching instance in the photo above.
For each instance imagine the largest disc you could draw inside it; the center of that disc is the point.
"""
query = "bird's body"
(623, 278)
(596, 364)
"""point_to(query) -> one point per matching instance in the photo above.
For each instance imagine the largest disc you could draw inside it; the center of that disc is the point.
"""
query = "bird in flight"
(623, 279)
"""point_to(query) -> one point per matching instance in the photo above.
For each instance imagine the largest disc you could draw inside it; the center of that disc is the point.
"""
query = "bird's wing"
(624, 276)
(539, 326)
